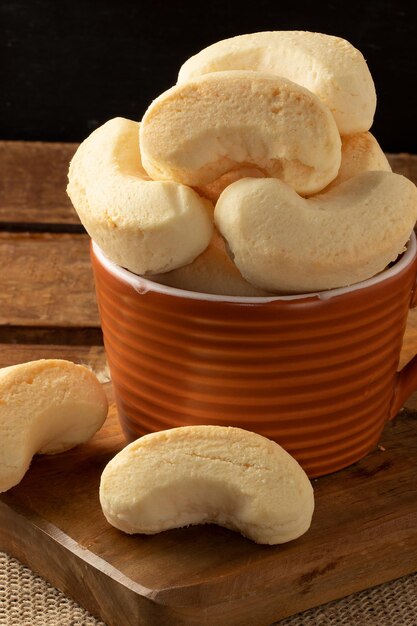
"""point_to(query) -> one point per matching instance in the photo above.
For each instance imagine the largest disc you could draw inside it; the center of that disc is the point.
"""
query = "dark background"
(66, 67)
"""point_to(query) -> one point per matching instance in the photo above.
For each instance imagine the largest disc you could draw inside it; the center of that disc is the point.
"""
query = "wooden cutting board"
(363, 534)
(363, 530)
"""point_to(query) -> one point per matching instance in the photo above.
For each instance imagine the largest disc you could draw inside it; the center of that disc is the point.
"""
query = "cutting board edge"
(90, 581)
(87, 580)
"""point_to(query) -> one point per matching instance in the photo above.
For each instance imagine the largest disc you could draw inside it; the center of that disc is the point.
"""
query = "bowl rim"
(143, 285)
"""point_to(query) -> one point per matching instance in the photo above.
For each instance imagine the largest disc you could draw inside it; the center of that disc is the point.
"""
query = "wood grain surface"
(33, 182)
(363, 531)
(48, 281)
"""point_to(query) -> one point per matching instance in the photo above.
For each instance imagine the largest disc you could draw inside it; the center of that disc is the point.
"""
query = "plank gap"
(41, 227)
(87, 336)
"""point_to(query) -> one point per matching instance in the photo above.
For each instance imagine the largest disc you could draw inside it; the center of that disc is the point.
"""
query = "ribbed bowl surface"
(316, 375)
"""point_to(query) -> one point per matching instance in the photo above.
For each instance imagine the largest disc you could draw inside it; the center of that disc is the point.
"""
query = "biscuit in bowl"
(141, 224)
(283, 242)
(329, 66)
(199, 130)
(211, 272)
(360, 153)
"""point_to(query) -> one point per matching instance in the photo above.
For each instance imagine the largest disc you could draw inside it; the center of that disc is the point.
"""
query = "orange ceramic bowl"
(314, 372)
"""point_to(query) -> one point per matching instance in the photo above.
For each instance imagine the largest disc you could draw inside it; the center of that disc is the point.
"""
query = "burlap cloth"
(27, 600)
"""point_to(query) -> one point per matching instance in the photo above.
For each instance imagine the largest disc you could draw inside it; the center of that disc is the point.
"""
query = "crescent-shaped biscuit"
(207, 474)
(328, 66)
(197, 131)
(141, 224)
(360, 153)
(46, 407)
(211, 272)
(282, 242)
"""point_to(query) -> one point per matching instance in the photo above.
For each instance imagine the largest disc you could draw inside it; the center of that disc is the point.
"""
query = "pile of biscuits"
(255, 174)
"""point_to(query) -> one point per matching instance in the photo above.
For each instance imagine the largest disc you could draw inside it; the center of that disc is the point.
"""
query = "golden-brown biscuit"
(207, 474)
(140, 224)
(328, 66)
(211, 272)
(283, 242)
(197, 131)
(46, 406)
(360, 153)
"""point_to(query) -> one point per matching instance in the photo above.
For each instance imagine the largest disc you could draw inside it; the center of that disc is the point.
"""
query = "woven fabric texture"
(27, 600)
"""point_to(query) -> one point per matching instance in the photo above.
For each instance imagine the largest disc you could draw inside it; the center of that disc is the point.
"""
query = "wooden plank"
(34, 178)
(405, 164)
(33, 181)
(46, 281)
(363, 534)
(92, 356)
